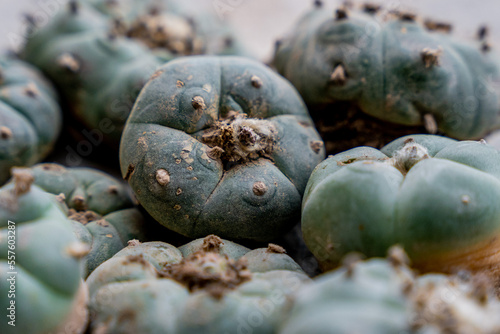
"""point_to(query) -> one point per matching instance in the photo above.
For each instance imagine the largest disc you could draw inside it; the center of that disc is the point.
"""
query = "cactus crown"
(238, 139)
(408, 156)
(209, 271)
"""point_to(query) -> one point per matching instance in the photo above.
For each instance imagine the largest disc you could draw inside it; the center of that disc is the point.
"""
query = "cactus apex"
(212, 243)
(338, 76)
(430, 57)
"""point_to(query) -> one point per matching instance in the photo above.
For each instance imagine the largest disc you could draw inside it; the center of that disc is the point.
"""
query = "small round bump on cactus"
(30, 118)
(40, 262)
(384, 296)
(209, 285)
(371, 76)
(433, 195)
(101, 209)
(220, 145)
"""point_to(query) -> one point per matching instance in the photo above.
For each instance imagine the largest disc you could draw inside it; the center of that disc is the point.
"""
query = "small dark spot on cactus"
(430, 57)
(341, 14)
(79, 203)
(482, 32)
(189, 168)
(179, 84)
(177, 207)
(485, 47)
(5, 132)
(276, 249)
(73, 7)
(409, 140)
(256, 81)
(316, 146)
(371, 8)
(406, 16)
(438, 26)
(318, 3)
(113, 190)
(30, 19)
(259, 188)
(212, 243)
(430, 124)
(178, 191)
(178, 161)
(133, 243)
(338, 76)
(162, 177)
(198, 103)
(31, 90)
(154, 11)
(68, 62)
(397, 256)
(277, 44)
(228, 42)
(130, 172)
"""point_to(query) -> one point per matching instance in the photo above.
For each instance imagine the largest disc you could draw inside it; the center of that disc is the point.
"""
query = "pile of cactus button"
(212, 206)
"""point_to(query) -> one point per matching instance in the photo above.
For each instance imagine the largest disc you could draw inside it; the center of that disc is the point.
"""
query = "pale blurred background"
(260, 22)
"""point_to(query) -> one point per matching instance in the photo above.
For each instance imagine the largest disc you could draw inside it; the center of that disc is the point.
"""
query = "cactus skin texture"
(30, 118)
(393, 70)
(101, 208)
(49, 293)
(202, 287)
(99, 74)
(435, 196)
(383, 296)
(198, 165)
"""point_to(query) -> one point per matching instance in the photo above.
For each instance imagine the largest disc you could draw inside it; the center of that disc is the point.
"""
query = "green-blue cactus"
(435, 196)
(394, 70)
(30, 118)
(207, 286)
(40, 266)
(220, 145)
